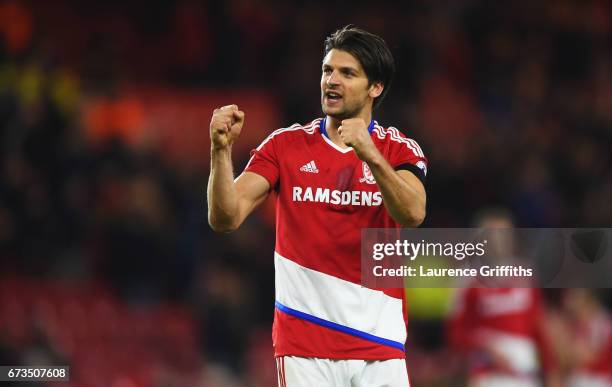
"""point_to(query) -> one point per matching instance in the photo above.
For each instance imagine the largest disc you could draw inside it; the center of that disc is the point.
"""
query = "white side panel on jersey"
(520, 352)
(588, 380)
(339, 301)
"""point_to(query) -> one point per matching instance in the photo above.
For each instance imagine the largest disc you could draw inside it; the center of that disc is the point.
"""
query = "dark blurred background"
(106, 259)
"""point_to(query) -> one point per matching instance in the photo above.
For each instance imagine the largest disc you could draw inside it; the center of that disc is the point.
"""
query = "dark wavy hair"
(370, 50)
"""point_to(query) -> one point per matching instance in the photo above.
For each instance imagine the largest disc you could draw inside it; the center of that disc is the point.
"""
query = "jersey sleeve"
(264, 161)
(405, 153)
(462, 320)
(541, 333)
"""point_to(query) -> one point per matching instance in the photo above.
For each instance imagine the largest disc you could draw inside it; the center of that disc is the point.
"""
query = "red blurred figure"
(501, 330)
(586, 340)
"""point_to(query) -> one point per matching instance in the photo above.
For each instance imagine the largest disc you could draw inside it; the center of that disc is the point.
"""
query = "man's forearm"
(222, 197)
(405, 202)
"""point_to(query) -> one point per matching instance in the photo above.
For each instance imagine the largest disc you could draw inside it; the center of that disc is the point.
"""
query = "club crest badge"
(423, 167)
(367, 175)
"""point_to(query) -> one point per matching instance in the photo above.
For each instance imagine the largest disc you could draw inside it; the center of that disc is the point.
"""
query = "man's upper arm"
(252, 190)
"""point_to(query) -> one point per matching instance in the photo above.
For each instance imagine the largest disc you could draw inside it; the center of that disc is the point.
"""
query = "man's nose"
(332, 79)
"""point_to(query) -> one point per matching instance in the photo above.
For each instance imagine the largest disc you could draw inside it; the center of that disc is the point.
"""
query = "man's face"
(344, 86)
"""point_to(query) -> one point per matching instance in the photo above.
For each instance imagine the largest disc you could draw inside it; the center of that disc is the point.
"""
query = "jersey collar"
(324, 130)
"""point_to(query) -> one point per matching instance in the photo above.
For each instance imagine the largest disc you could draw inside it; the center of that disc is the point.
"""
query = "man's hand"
(225, 126)
(354, 133)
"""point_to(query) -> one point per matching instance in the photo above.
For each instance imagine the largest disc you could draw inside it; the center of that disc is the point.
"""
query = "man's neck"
(332, 124)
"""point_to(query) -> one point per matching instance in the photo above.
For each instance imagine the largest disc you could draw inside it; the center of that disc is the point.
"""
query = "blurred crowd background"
(106, 259)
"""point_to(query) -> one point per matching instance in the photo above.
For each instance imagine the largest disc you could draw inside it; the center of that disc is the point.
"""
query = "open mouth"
(332, 96)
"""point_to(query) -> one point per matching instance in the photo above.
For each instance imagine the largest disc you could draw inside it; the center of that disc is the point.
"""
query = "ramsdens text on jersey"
(345, 198)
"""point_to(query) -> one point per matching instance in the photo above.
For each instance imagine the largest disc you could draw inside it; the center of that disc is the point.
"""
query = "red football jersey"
(325, 196)
(506, 319)
(596, 335)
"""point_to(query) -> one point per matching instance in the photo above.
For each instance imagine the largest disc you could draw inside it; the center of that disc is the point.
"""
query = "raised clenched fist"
(354, 133)
(225, 126)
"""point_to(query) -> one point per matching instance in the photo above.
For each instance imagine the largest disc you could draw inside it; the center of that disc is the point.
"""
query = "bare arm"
(230, 201)
(402, 192)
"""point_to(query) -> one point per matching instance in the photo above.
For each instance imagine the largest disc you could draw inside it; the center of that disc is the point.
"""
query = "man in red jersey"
(502, 330)
(586, 339)
(332, 178)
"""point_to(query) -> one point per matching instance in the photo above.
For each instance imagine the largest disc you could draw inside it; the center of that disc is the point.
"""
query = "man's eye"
(327, 71)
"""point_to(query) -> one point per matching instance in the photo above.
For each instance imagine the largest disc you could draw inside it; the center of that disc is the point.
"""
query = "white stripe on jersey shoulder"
(310, 129)
(397, 136)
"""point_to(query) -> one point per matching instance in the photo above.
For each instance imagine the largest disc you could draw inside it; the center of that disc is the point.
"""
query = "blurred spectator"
(15, 26)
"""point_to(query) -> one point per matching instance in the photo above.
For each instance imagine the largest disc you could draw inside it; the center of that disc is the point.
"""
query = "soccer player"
(586, 342)
(501, 331)
(332, 178)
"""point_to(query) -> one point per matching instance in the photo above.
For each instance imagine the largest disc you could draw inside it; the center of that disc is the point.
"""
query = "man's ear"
(376, 89)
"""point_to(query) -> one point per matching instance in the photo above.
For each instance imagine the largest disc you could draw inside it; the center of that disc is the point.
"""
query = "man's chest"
(320, 166)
